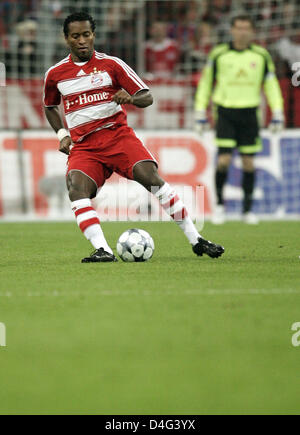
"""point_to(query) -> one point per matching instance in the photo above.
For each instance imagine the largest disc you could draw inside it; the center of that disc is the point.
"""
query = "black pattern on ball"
(135, 245)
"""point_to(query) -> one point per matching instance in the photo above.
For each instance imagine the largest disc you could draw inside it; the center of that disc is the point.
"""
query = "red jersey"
(162, 58)
(87, 90)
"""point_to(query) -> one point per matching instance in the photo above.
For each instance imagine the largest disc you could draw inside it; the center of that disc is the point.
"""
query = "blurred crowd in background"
(175, 41)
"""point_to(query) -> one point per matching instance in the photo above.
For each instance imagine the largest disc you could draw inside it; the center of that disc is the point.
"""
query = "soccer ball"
(135, 245)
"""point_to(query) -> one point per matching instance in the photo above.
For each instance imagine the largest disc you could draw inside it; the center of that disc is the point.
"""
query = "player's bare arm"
(56, 122)
(54, 118)
(141, 99)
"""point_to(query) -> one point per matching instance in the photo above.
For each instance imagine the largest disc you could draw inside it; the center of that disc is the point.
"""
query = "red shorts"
(107, 151)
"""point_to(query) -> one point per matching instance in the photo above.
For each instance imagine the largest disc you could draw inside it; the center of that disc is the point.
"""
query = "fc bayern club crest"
(96, 78)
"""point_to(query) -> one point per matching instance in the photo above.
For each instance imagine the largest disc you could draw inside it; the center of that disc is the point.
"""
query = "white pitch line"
(192, 292)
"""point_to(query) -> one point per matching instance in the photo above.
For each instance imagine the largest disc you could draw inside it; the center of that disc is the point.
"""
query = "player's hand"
(201, 123)
(122, 97)
(65, 145)
(277, 123)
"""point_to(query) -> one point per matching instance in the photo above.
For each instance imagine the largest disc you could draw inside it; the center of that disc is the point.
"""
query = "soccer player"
(161, 53)
(93, 87)
(237, 71)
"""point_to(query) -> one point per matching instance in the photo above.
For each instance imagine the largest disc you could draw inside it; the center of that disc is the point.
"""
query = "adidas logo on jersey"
(81, 73)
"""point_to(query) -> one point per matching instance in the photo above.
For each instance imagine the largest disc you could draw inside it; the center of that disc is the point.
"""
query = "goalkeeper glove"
(277, 123)
(201, 122)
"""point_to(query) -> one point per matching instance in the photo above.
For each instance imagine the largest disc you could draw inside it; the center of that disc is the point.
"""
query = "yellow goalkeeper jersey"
(237, 77)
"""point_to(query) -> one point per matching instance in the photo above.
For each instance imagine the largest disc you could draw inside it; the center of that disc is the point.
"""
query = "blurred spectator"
(217, 13)
(57, 9)
(18, 40)
(203, 43)
(8, 14)
(13, 11)
(161, 52)
(183, 29)
(216, 10)
(26, 51)
(288, 50)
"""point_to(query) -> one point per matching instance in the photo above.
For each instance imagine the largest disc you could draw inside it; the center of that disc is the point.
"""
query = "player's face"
(81, 40)
(158, 31)
(242, 32)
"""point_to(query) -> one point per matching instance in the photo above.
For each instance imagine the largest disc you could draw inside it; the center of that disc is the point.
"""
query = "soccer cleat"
(206, 247)
(219, 215)
(100, 256)
(250, 218)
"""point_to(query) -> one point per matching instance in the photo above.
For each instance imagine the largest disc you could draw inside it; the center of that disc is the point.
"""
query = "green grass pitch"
(176, 335)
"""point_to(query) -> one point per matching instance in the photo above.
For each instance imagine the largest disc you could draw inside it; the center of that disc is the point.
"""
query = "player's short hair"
(78, 16)
(242, 17)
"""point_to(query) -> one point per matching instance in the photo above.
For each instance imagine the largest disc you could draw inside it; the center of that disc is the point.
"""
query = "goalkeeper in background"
(237, 71)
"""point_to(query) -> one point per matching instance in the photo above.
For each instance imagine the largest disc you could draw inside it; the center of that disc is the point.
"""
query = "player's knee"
(153, 177)
(146, 173)
(80, 186)
(224, 163)
(77, 191)
(248, 164)
(153, 181)
(223, 167)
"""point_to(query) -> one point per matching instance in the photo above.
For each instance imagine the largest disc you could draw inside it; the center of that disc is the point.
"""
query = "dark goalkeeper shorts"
(238, 128)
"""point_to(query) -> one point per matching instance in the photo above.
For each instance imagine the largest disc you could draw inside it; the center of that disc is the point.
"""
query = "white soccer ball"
(135, 245)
